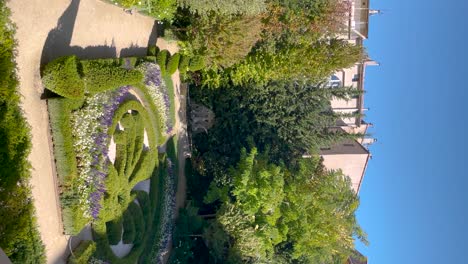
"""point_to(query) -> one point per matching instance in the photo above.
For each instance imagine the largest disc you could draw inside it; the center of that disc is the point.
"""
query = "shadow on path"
(59, 39)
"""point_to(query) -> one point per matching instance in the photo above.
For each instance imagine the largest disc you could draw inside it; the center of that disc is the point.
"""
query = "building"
(352, 156)
(358, 258)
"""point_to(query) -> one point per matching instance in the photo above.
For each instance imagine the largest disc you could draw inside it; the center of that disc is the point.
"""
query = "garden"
(112, 126)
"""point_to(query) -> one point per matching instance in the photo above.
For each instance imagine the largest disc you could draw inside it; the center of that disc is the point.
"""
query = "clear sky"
(414, 198)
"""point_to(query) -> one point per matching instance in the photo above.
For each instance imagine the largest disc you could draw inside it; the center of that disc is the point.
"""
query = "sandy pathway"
(94, 23)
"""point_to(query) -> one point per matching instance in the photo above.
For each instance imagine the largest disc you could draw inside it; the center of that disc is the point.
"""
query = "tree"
(223, 40)
(313, 61)
(250, 207)
(324, 229)
(298, 112)
(268, 212)
(224, 7)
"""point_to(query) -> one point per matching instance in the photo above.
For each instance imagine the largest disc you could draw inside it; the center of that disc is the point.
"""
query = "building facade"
(352, 156)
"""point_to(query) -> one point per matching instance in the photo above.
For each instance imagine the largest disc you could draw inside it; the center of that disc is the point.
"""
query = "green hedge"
(114, 231)
(62, 77)
(153, 50)
(184, 64)
(128, 227)
(100, 76)
(161, 59)
(83, 252)
(173, 63)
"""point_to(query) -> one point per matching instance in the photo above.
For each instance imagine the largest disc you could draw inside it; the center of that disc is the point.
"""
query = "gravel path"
(89, 28)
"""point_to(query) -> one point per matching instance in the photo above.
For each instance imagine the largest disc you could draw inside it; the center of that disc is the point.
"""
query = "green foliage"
(256, 188)
(62, 77)
(60, 122)
(129, 227)
(303, 212)
(159, 9)
(196, 63)
(153, 50)
(223, 41)
(114, 231)
(224, 7)
(323, 58)
(297, 112)
(171, 93)
(173, 63)
(83, 252)
(161, 59)
(19, 237)
(325, 229)
(100, 76)
(184, 64)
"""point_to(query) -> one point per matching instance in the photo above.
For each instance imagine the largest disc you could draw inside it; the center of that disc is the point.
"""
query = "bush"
(153, 50)
(197, 63)
(83, 252)
(61, 76)
(173, 63)
(101, 76)
(128, 227)
(184, 64)
(161, 59)
(114, 231)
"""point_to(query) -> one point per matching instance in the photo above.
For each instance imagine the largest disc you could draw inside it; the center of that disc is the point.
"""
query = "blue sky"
(414, 198)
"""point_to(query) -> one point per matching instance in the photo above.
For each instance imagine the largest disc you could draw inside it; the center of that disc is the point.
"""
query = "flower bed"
(99, 191)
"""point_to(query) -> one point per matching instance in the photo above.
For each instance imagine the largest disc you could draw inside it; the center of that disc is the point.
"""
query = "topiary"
(101, 76)
(61, 76)
(153, 50)
(197, 63)
(161, 59)
(173, 63)
(184, 64)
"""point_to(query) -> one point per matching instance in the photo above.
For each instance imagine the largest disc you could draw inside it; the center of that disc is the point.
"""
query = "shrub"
(161, 59)
(224, 7)
(61, 76)
(128, 227)
(101, 76)
(197, 63)
(83, 252)
(114, 231)
(153, 50)
(184, 64)
(173, 63)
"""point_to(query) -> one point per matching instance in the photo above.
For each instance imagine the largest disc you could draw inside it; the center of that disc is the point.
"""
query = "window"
(334, 82)
(356, 78)
(348, 145)
(324, 148)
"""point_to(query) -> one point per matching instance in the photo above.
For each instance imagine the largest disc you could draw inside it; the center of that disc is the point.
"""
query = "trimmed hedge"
(196, 63)
(114, 231)
(61, 76)
(128, 227)
(161, 59)
(184, 64)
(153, 50)
(83, 252)
(173, 63)
(100, 76)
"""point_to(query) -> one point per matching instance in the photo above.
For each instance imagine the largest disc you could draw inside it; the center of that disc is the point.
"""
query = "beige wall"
(352, 165)
(350, 157)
